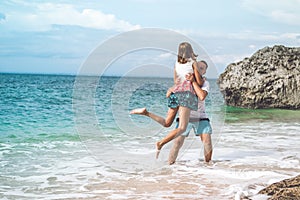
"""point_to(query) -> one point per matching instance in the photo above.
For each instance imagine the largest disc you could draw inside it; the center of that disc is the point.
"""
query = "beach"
(68, 137)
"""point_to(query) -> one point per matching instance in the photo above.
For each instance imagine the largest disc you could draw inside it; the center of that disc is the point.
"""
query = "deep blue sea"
(69, 137)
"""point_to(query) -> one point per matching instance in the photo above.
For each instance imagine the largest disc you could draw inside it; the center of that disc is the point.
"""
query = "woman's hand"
(190, 77)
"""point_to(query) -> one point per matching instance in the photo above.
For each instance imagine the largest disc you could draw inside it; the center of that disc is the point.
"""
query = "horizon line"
(86, 75)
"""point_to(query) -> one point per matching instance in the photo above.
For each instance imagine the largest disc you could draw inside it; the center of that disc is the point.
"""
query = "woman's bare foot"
(158, 148)
(139, 111)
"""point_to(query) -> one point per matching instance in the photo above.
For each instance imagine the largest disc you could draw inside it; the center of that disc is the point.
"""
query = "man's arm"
(199, 92)
(198, 76)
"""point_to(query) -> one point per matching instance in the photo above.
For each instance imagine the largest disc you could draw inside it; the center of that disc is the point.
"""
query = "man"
(199, 121)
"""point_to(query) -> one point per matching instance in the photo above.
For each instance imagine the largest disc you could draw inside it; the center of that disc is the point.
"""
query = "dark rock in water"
(270, 78)
(288, 189)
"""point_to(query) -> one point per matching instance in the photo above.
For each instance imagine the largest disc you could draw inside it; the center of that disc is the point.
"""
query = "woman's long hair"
(185, 52)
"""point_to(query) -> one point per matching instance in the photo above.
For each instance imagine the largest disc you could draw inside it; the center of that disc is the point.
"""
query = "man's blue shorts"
(200, 127)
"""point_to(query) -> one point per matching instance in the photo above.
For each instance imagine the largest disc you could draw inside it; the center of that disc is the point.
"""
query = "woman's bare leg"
(178, 142)
(184, 116)
(166, 122)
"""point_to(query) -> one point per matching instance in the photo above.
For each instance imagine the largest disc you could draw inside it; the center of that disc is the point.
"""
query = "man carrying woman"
(197, 119)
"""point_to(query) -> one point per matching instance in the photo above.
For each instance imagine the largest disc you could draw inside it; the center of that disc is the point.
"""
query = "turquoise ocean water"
(68, 137)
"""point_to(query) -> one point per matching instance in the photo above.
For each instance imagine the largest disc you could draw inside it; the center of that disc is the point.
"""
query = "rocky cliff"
(270, 78)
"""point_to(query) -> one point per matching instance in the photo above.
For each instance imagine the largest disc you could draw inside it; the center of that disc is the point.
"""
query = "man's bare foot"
(158, 148)
(139, 111)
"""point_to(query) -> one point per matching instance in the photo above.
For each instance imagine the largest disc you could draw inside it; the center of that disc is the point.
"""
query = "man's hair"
(204, 63)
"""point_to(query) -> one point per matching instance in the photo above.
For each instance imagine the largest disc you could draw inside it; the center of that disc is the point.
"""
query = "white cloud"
(286, 17)
(250, 35)
(42, 16)
(286, 12)
(227, 58)
(247, 35)
(252, 46)
(166, 55)
(221, 61)
(267, 37)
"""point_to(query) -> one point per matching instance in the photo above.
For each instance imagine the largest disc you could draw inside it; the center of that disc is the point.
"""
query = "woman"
(182, 97)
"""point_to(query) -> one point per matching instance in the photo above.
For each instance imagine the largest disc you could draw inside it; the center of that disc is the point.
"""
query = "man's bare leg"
(178, 142)
(208, 150)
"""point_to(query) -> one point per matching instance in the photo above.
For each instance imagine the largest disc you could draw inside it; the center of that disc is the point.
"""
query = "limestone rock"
(288, 189)
(270, 78)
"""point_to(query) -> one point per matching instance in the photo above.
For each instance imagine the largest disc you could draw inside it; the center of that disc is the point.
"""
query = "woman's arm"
(175, 77)
(199, 78)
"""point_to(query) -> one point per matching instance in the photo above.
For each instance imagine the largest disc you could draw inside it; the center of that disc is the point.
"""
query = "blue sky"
(42, 36)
